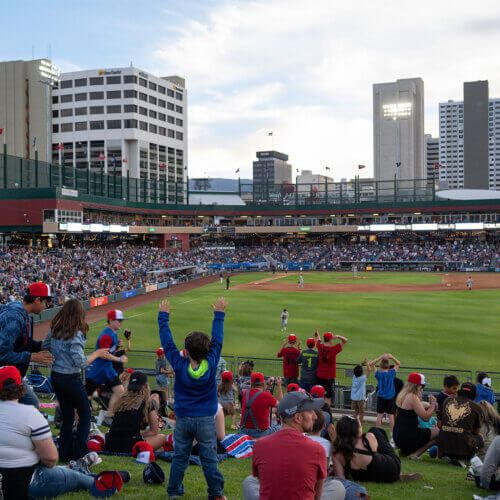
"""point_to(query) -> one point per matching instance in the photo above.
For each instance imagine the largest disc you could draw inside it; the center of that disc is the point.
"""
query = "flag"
(60, 146)
(238, 445)
(270, 133)
(327, 168)
(124, 160)
(163, 165)
(185, 168)
(398, 164)
(34, 141)
(437, 165)
(361, 167)
(237, 171)
(102, 156)
(1, 131)
(297, 170)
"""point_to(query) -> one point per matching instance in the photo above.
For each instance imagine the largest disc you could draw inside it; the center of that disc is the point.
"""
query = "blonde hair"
(132, 400)
(491, 419)
(124, 378)
(407, 389)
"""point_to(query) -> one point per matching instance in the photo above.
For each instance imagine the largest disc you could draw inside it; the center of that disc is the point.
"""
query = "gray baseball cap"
(297, 402)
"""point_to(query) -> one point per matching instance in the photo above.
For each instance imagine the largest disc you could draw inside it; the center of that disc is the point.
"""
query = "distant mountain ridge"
(220, 184)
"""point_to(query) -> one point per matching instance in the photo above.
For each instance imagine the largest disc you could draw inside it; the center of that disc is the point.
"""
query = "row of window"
(127, 108)
(114, 80)
(117, 124)
(116, 94)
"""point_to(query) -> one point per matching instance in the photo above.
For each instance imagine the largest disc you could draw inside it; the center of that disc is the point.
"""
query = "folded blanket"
(238, 445)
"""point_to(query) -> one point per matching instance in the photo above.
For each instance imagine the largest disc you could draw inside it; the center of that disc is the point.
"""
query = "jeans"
(29, 398)
(204, 430)
(257, 433)
(49, 483)
(72, 396)
(351, 489)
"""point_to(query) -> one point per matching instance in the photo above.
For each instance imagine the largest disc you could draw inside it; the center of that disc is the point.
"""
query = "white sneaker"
(392, 443)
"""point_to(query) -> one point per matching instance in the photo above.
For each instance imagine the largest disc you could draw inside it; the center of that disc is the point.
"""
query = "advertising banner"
(98, 301)
(151, 288)
(129, 293)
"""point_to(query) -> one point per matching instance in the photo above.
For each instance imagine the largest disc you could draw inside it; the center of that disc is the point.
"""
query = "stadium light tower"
(50, 77)
(396, 112)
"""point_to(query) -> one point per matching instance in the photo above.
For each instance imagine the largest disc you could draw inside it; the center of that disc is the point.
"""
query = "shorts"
(385, 406)
(358, 405)
(328, 384)
(91, 385)
(162, 380)
(228, 409)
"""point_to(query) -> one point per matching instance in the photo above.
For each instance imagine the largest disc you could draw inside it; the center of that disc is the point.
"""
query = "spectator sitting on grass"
(491, 466)
(408, 436)
(318, 391)
(490, 427)
(358, 390)
(245, 371)
(317, 429)
(450, 389)
(226, 396)
(365, 457)
(484, 390)
(195, 406)
(431, 422)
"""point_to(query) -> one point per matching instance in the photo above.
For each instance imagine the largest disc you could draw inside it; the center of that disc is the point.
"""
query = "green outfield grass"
(365, 277)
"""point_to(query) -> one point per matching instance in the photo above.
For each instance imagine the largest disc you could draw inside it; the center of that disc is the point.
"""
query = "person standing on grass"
(386, 391)
(358, 390)
(290, 355)
(66, 342)
(308, 359)
(284, 319)
(162, 372)
(327, 361)
(228, 282)
(195, 406)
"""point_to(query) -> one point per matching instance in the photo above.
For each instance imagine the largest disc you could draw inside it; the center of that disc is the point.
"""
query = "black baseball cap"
(468, 389)
(137, 381)
(297, 402)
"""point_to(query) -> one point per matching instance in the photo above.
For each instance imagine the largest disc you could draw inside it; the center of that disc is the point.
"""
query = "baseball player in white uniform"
(301, 281)
(284, 319)
(469, 283)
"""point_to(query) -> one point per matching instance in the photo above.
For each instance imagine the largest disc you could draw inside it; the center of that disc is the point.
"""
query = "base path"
(97, 313)
(449, 283)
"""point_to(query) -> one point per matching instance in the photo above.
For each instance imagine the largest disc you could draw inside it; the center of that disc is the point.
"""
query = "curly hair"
(132, 400)
(12, 393)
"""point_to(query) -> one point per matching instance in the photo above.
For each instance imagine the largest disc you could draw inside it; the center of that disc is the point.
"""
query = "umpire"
(17, 346)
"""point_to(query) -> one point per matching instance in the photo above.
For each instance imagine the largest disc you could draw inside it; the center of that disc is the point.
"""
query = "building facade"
(270, 171)
(431, 157)
(398, 129)
(308, 181)
(25, 107)
(123, 121)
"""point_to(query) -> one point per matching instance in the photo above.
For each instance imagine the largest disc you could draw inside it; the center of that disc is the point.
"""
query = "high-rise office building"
(452, 146)
(125, 121)
(431, 157)
(269, 172)
(398, 129)
(25, 106)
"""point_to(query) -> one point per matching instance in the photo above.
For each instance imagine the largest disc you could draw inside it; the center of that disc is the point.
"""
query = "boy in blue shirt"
(385, 376)
(195, 405)
(358, 390)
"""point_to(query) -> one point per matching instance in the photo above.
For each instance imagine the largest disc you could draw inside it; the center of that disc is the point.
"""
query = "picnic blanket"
(238, 445)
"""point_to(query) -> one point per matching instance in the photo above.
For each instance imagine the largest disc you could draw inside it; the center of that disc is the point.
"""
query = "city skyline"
(308, 79)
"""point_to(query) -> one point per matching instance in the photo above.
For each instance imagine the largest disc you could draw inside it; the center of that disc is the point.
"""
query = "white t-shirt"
(19, 426)
(327, 445)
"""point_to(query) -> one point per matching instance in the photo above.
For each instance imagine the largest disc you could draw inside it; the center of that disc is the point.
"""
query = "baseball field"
(448, 327)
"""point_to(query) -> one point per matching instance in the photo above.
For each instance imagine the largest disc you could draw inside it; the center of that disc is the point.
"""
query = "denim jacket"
(69, 355)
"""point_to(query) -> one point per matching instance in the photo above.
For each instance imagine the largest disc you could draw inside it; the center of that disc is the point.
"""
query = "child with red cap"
(162, 372)
(226, 391)
(290, 355)
(308, 360)
(327, 361)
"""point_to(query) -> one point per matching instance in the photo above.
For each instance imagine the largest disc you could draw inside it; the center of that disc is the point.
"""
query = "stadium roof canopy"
(468, 194)
(215, 199)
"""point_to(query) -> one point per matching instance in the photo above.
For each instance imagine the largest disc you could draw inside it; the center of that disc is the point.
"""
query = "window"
(143, 126)
(152, 99)
(161, 117)
(80, 111)
(114, 94)
(178, 109)
(171, 133)
(80, 82)
(143, 111)
(67, 98)
(130, 124)
(170, 93)
(66, 84)
(162, 130)
(161, 89)
(67, 112)
(114, 109)
(161, 103)
(130, 108)
(152, 114)
(130, 93)
(111, 80)
(143, 82)
(80, 126)
(152, 86)
(152, 128)
(179, 122)
(66, 127)
(55, 113)
(96, 95)
(96, 110)
(143, 97)
(97, 80)
(129, 79)
(55, 99)
(81, 97)
(55, 128)
(178, 96)
(179, 135)
(114, 124)
(97, 125)
(171, 119)
(170, 106)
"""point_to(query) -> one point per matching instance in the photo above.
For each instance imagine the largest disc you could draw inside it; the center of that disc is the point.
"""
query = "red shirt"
(260, 408)
(288, 465)
(327, 360)
(290, 366)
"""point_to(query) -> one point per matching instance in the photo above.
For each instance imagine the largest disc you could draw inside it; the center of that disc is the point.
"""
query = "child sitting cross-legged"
(226, 396)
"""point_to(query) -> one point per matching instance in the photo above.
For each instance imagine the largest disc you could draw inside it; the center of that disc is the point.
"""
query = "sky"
(302, 70)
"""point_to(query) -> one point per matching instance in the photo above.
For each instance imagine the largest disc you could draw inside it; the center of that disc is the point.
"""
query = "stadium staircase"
(321, 259)
(270, 260)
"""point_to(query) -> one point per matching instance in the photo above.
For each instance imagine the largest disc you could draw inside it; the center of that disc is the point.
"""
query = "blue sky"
(303, 70)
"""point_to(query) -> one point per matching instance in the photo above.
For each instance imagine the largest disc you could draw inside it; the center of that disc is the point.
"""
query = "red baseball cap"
(416, 378)
(256, 376)
(317, 391)
(9, 377)
(39, 290)
(292, 338)
(227, 376)
(292, 387)
(129, 370)
(328, 336)
(310, 342)
(160, 352)
(106, 484)
(115, 314)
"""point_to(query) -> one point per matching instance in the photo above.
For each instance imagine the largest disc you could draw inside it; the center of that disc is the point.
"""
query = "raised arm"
(397, 364)
(166, 339)
(219, 309)
(342, 339)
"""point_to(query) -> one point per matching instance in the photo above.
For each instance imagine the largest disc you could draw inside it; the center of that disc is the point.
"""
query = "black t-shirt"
(459, 417)
(441, 398)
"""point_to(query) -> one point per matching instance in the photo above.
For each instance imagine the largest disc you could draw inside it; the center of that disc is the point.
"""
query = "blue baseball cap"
(153, 474)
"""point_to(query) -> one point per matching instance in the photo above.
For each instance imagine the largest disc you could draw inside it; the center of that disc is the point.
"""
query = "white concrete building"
(431, 157)
(398, 129)
(317, 182)
(451, 143)
(136, 120)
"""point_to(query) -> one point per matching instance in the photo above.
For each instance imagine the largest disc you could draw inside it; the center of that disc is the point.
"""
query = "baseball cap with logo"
(292, 338)
(115, 314)
(317, 391)
(143, 452)
(137, 381)
(257, 377)
(106, 484)
(292, 387)
(327, 336)
(297, 402)
(39, 290)
(310, 343)
(227, 375)
(160, 352)
(416, 378)
(9, 377)
(153, 474)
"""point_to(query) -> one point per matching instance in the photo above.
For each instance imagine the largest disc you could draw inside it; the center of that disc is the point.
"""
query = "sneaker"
(86, 462)
(410, 477)
(392, 443)
(125, 475)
